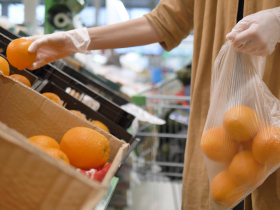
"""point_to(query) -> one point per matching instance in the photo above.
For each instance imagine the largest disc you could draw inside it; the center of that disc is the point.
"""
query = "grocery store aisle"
(156, 195)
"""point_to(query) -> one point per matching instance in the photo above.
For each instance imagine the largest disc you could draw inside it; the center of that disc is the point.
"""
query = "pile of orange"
(82, 147)
(246, 147)
(95, 122)
(55, 98)
(50, 146)
(5, 68)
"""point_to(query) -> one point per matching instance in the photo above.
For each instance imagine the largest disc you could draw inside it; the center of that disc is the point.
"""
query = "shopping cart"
(160, 153)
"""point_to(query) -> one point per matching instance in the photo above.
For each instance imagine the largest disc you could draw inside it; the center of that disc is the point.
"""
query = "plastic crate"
(93, 83)
(72, 103)
(8, 33)
(107, 108)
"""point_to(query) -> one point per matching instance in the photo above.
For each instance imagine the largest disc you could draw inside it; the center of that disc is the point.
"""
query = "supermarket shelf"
(107, 108)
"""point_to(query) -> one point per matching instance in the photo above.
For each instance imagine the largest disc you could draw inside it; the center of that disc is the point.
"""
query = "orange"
(18, 55)
(21, 79)
(57, 154)
(217, 146)
(4, 66)
(85, 148)
(241, 123)
(225, 191)
(266, 146)
(78, 113)
(245, 169)
(100, 125)
(44, 142)
(55, 98)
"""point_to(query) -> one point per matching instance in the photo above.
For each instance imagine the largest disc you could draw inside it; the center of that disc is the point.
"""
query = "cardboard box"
(31, 179)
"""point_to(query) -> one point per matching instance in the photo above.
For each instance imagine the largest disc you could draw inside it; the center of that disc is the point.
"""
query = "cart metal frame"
(147, 164)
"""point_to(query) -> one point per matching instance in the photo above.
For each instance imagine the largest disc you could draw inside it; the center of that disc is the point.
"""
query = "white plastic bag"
(241, 138)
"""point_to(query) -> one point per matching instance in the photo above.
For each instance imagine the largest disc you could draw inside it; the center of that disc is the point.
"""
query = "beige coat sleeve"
(173, 21)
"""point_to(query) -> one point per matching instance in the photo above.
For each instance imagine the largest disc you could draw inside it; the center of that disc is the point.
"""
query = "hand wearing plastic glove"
(257, 34)
(54, 46)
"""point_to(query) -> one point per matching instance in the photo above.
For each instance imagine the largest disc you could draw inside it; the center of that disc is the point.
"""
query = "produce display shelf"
(105, 107)
(72, 103)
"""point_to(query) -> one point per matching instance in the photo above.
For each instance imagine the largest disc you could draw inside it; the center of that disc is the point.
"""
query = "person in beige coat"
(213, 21)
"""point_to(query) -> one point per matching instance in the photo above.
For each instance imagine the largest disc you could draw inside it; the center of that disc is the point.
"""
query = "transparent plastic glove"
(54, 46)
(257, 34)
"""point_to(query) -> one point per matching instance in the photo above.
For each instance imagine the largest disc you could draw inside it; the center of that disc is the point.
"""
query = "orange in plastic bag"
(241, 138)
